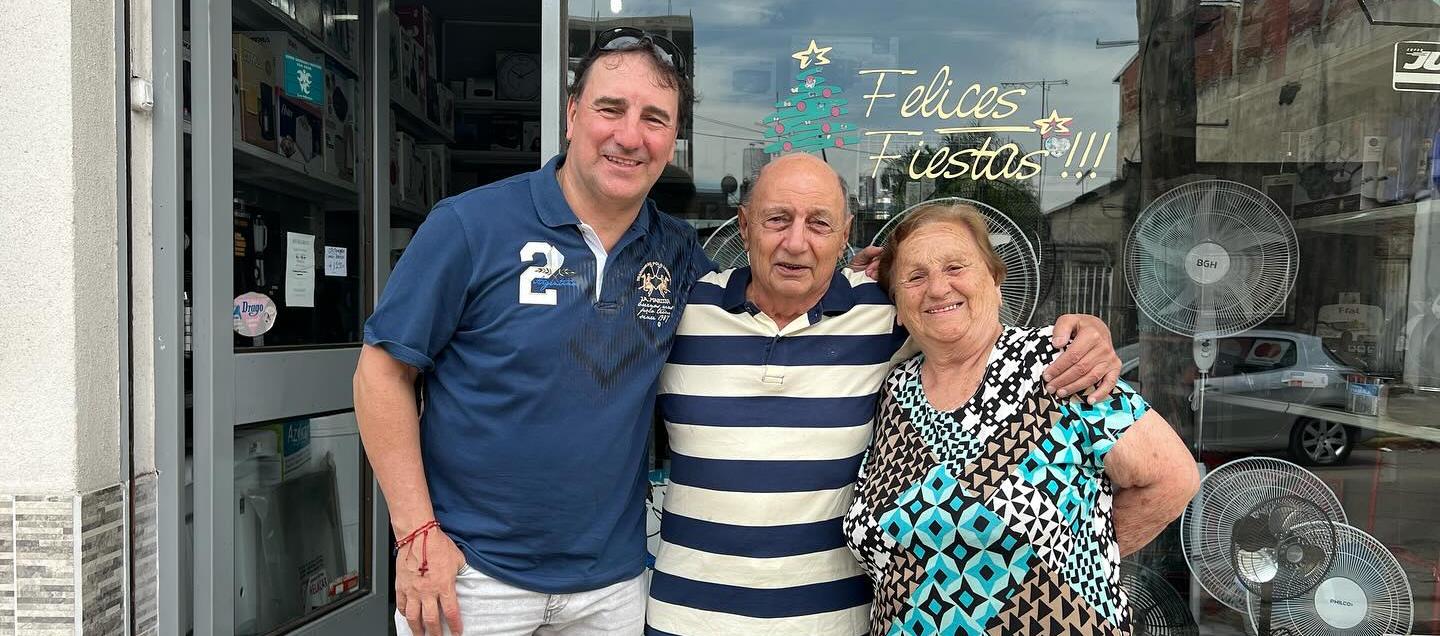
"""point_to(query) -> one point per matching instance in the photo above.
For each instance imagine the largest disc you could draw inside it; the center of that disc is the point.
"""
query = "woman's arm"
(1154, 479)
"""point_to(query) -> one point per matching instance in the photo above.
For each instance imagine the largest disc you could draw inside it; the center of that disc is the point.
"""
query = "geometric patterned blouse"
(995, 518)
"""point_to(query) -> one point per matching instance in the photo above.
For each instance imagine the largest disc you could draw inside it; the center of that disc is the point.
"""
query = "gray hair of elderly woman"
(961, 215)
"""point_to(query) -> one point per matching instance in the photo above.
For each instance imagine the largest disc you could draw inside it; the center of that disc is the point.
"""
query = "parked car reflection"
(1274, 366)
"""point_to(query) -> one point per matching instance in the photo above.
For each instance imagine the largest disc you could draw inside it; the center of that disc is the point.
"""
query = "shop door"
(290, 535)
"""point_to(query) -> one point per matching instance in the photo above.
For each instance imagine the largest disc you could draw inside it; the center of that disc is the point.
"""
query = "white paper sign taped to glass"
(254, 314)
(1417, 66)
(335, 264)
(299, 270)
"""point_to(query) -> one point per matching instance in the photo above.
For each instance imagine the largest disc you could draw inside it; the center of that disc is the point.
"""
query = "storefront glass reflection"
(1073, 118)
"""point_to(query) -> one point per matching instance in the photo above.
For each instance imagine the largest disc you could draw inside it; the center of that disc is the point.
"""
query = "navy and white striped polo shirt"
(767, 429)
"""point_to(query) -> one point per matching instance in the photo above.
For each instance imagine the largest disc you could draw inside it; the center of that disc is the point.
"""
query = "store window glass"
(299, 145)
(300, 545)
(1078, 121)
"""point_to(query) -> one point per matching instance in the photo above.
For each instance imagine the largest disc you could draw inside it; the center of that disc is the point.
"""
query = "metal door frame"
(215, 364)
(216, 383)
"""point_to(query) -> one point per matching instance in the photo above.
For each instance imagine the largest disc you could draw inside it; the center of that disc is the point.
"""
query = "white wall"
(59, 389)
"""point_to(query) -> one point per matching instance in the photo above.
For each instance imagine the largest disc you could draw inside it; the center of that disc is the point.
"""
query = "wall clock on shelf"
(517, 76)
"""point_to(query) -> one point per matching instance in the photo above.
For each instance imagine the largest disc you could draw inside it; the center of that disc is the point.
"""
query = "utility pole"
(1044, 86)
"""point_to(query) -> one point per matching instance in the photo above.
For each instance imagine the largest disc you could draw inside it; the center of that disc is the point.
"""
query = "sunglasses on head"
(630, 37)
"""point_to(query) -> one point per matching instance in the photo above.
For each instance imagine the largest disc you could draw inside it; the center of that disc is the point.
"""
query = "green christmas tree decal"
(805, 121)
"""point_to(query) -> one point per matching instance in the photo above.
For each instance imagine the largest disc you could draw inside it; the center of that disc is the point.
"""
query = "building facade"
(201, 201)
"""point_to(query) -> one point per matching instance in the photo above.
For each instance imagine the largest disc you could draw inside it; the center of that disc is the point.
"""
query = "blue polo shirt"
(539, 380)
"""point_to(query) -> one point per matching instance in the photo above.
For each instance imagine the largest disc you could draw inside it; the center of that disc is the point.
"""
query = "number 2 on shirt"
(553, 260)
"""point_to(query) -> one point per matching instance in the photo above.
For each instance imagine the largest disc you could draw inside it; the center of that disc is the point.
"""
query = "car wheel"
(1319, 442)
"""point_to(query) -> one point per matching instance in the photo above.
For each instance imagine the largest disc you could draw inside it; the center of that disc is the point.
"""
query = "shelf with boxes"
(331, 27)
(423, 106)
(266, 169)
(419, 173)
(295, 103)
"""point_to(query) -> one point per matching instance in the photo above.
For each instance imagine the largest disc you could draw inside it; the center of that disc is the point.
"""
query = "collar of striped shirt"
(838, 299)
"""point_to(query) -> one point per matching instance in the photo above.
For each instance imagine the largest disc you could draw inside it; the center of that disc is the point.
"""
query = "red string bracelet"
(423, 532)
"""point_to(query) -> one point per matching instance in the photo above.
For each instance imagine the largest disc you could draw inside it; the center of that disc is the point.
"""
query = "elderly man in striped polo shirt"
(768, 397)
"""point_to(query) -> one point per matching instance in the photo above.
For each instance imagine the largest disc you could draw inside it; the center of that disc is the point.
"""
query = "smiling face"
(795, 227)
(944, 292)
(621, 130)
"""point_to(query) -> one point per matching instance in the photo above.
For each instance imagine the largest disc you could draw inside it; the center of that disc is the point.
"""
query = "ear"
(570, 109)
(744, 224)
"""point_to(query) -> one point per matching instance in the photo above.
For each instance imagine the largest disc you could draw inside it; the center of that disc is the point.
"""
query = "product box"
(255, 73)
(416, 181)
(418, 24)
(409, 183)
(412, 78)
(342, 29)
(311, 15)
(397, 187)
(300, 104)
(302, 134)
(445, 105)
(396, 35)
(506, 133)
(340, 124)
(285, 6)
(530, 136)
(279, 451)
(437, 168)
(235, 117)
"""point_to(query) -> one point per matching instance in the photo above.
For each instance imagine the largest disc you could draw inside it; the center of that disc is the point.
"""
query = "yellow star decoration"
(1053, 121)
(819, 53)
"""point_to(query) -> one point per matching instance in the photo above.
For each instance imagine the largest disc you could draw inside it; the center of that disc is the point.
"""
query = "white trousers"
(491, 608)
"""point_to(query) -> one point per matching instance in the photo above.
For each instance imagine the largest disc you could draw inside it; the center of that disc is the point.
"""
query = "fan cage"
(1363, 560)
(1229, 493)
(1247, 226)
(1020, 293)
(1156, 608)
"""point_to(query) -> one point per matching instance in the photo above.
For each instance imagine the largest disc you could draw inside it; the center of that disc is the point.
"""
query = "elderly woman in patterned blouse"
(986, 505)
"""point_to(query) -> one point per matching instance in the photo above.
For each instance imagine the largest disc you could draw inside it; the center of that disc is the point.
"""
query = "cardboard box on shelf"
(342, 27)
(302, 134)
(412, 87)
(408, 177)
(395, 37)
(397, 186)
(437, 167)
(506, 133)
(279, 450)
(416, 21)
(530, 136)
(445, 100)
(300, 100)
(285, 6)
(340, 124)
(427, 172)
(299, 70)
(416, 182)
(311, 15)
(479, 88)
(255, 73)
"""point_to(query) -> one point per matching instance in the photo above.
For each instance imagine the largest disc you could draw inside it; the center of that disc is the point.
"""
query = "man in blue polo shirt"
(539, 310)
